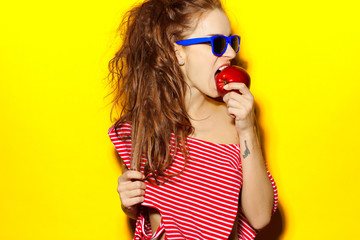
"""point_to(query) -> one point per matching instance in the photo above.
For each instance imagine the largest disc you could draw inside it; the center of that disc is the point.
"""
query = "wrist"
(248, 132)
(131, 212)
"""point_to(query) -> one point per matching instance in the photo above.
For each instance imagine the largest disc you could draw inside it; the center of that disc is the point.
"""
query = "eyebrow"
(216, 34)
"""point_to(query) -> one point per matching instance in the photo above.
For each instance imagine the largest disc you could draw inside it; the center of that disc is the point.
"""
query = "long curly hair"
(147, 83)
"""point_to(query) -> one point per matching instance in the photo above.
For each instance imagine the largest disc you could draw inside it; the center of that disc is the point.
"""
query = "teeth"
(222, 68)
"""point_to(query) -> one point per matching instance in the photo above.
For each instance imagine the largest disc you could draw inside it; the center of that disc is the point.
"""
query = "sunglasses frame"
(191, 41)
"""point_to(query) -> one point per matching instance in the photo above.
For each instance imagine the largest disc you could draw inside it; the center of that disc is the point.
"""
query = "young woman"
(193, 165)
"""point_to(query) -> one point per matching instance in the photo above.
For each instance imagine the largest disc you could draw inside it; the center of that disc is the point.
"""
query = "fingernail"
(226, 87)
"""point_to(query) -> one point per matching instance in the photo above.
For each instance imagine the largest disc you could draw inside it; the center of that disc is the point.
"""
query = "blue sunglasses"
(219, 43)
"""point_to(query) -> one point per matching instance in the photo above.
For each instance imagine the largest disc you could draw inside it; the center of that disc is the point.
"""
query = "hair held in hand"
(147, 83)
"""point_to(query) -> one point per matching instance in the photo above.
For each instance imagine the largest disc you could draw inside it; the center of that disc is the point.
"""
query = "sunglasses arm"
(188, 42)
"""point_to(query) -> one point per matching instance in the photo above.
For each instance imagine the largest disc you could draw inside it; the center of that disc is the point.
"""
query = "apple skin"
(229, 75)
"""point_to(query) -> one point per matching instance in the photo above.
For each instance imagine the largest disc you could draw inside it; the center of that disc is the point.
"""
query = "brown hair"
(147, 82)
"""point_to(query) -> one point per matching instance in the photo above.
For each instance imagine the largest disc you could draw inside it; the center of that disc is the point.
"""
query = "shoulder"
(120, 136)
(122, 129)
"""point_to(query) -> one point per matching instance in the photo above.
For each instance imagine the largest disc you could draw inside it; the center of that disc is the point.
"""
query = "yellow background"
(58, 173)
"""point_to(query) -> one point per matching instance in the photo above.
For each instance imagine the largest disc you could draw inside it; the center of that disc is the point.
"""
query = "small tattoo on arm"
(247, 151)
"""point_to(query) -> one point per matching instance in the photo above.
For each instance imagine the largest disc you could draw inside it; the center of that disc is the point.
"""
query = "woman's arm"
(257, 192)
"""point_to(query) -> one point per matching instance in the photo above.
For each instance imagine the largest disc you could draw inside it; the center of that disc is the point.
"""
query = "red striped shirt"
(200, 203)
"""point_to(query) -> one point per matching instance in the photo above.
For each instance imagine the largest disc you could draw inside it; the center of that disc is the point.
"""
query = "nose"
(229, 53)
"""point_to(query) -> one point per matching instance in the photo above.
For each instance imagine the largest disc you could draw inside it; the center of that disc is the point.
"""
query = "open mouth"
(219, 70)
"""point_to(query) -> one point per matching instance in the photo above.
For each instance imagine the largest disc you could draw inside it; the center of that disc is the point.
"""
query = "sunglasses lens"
(219, 45)
(235, 43)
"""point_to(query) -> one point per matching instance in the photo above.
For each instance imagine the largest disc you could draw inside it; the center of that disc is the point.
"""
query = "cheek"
(197, 73)
(194, 69)
(200, 65)
(200, 69)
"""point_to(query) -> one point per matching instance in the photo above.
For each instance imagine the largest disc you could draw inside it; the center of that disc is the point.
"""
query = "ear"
(180, 54)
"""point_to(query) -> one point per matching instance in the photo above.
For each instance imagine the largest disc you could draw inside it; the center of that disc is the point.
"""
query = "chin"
(216, 97)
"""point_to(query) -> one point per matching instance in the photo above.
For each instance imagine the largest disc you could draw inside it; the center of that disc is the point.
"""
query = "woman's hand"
(240, 106)
(131, 189)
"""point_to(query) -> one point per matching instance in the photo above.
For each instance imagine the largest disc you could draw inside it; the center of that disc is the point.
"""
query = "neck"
(198, 105)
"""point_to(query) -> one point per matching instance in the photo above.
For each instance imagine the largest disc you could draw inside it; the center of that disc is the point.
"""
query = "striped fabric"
(201, 202)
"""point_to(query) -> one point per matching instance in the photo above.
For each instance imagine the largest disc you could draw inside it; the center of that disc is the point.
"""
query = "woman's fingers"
(240, 106)
(130, 202)
(132, 197)
(241, 87)
(237, 113)
(131, 188)
(245, 98)
(235, 101)
(131, 175)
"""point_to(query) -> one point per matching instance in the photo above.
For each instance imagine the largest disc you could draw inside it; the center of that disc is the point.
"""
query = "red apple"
(229, 75)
